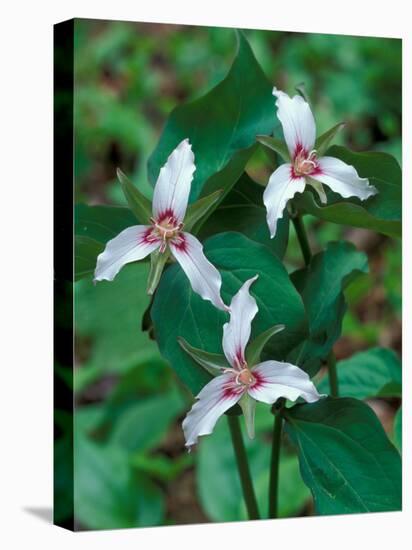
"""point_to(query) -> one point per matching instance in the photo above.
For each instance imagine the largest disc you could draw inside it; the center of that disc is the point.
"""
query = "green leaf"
(101, 223)
(94, 226)
(221, 125)
(108, 319)
(345, 457)
(275, 144)
(178, 312)
(85, 256)
(218, 481)
(381, 213)
(107, 495)
(143, 425)
(397, 429)
(324, 140)
(255, 348)
(212, 362)
(157, 263)
(138, 203)
(199, 210)
(373, 373)
(321, 285)
(243, 211)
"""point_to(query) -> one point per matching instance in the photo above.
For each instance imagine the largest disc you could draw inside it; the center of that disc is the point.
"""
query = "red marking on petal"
(259, 380)
(180, 242)
(293, 174)
(148, 236)
(167, 215)
(316, 171)
(300, 150)
(230, 391)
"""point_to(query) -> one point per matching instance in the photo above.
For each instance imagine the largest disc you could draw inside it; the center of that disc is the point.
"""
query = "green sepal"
(276, 145)
(248, 406)
(255, 348)
(301, 89)
(324, 140)
(212, 362)
(198, 210)
(157, 263)
(138, 203)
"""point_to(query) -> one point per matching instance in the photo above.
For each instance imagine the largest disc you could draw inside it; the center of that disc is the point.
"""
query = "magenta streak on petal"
(299, 149)
(180, 242)
(148, 236)
(167, 215)
(259, 380)
(232, 389)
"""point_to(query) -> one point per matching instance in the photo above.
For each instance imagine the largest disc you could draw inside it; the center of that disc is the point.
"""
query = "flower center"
(245, 377)
(166, 229)
(304, 164)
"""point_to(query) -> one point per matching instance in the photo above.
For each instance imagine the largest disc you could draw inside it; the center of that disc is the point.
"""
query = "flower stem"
(274, 462)
(333, 377)
(302, 238)
(243, 467)
(307, 255)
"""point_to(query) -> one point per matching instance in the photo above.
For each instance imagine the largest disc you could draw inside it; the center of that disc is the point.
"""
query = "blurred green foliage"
(131, 465)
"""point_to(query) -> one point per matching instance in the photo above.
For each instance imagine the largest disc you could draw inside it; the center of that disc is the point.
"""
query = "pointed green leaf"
(324, 140)
(248, 406)
(138, 203)
(255, 348)
(221, 125)
(157, 263)
(212, 362)
(275, 144)
(345, 457)
(197, 211)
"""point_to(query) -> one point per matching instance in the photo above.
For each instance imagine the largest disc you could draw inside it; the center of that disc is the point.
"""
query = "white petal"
(215, 399)
(275, 379)
(171, 193)
(318, 187)
(343, 179)
(204, 278)
(280, 188)
(297, 121)
(133, 243)
(236, 332)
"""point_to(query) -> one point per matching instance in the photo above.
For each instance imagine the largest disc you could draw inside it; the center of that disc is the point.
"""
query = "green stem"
(274, 464)
(302, 238)
(243, 467)
(307, 255)
(333, 377)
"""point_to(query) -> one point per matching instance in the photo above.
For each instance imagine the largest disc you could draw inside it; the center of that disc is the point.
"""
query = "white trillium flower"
(306, 167)
(266, 382)
(170, 200)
